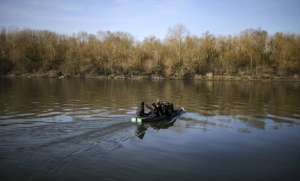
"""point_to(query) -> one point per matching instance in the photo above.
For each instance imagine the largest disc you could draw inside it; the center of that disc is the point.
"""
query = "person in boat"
(140, 112)
(166, 109)
(154, 111)
(159, 109)
(172, 108)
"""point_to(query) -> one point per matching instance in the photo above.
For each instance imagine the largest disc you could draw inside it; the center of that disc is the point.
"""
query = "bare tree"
(175, 39)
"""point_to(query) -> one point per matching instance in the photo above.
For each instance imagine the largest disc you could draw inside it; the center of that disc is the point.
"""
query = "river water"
(81, 129)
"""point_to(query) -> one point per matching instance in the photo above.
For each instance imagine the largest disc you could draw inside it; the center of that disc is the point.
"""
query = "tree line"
(106, 53)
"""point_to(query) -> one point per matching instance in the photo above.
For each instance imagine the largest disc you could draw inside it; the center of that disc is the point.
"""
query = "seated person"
(167, 109)
(154, 111)
(172, 108)
(159, 109)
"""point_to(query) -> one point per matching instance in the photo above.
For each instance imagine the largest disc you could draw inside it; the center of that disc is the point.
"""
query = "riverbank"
(167, 77)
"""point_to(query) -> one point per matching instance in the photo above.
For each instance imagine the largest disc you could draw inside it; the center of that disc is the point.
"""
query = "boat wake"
(27, 150)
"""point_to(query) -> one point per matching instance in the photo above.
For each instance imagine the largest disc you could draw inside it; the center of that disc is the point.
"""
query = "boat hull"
(157, 118)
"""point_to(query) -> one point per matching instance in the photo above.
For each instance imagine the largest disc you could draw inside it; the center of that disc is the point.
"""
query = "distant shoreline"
(163, 77)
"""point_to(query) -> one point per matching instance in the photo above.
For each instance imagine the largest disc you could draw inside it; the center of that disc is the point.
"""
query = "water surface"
(63, 129)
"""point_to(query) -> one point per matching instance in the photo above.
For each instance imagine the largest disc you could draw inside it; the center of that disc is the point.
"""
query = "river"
(81, 129)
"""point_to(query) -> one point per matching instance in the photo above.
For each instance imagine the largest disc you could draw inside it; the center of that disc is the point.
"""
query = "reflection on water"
(163, 124)
(30, 101)
(62, 129)
(142, 127)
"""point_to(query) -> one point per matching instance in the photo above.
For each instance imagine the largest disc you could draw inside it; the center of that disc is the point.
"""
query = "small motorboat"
(177, 112)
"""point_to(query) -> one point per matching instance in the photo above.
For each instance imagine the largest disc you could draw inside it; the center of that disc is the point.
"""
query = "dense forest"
(253, 52)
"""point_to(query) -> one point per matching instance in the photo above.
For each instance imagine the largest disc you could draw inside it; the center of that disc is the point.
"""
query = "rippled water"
(79, 129)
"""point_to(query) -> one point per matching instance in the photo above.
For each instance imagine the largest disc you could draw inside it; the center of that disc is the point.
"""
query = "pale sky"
(142, 18)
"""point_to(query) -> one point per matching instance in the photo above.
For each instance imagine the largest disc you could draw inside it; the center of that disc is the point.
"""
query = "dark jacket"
(159, 110)
(153, 110)
(140, 111)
